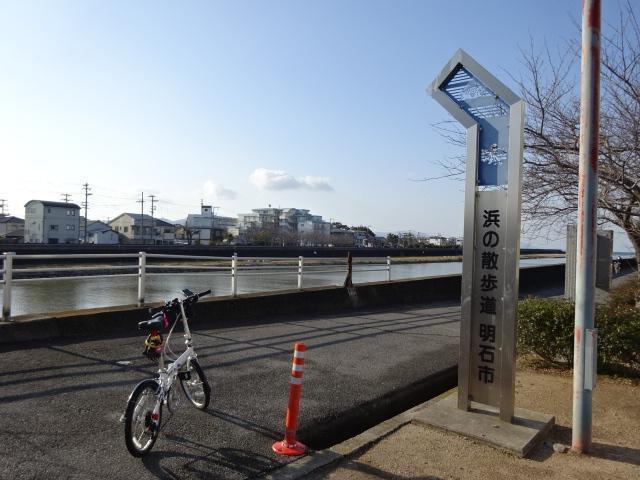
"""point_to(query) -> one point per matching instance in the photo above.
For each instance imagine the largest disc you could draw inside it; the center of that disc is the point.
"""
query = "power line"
(85, 204)
(3, 205)
(66, 197)
(131, 199)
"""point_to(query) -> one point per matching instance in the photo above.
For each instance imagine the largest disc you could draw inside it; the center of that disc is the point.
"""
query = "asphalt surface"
(60, 402)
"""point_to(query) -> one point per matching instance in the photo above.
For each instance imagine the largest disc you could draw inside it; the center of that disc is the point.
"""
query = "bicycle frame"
(167, 375)
(143, 415)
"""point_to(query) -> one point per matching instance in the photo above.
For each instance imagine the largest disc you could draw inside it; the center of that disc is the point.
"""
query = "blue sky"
(317, 105)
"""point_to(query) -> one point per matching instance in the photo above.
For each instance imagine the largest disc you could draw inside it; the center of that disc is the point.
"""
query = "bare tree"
(552, 132)
(550, 87)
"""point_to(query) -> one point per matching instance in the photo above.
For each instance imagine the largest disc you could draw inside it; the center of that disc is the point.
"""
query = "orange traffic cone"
(290, 446)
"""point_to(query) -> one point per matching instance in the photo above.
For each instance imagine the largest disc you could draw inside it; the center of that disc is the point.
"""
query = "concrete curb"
(316, 460)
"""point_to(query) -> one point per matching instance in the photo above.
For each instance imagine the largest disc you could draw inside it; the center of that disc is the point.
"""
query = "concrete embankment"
(257, 308)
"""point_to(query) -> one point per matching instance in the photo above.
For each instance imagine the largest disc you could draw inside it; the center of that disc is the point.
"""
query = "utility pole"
(85, 204)
(213, 225)
(584, 364)
(153, 209)
(66, 197)
(141, 202)
(3, 205)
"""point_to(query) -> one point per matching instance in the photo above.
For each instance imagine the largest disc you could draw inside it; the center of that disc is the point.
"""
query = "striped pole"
(290, 446)
(583, 365)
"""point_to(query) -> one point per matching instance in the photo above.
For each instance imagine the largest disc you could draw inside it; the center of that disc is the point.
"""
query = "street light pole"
(584, 367)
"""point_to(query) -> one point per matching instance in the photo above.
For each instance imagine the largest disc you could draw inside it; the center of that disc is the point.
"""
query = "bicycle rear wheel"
(195, 385)
(140, 427)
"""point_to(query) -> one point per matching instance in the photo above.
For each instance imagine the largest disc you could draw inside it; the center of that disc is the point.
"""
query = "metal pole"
(587, 210)
(234, 275)
(142, 266)
(7, 276)
(388, 269)
(300, 269)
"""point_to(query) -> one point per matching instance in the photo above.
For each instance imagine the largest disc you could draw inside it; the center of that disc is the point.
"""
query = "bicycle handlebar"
(194, 297)
(202, 294)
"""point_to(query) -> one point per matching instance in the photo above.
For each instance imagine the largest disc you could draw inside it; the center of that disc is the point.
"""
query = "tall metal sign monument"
(494, 117)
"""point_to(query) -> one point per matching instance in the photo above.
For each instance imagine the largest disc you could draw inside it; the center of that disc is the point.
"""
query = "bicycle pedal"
(122, 418)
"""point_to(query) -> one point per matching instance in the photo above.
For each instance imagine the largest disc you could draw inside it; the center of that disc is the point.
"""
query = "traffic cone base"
(291, 449)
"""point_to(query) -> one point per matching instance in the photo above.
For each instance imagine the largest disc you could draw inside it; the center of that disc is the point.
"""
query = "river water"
(55, 295)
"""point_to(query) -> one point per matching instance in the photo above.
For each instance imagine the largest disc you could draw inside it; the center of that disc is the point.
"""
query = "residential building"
(438, 241)
(342, 237)
(455, 241)
(263, 218)
(9, 223)
(363, 238)
(15, 236)
(306, 229)
(207, 229)
(99, 233)
(312, 232)
(51, 222)
(138, 228)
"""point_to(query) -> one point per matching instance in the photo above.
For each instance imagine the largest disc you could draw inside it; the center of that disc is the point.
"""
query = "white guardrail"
(234, 270)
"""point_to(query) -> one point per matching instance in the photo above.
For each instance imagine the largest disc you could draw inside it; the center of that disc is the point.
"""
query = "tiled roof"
(138, 217)
(11, 219)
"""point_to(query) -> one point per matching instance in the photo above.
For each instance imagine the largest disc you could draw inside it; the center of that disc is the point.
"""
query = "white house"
(99, 233)
(438, 241)
(205, 228)
(51, 222)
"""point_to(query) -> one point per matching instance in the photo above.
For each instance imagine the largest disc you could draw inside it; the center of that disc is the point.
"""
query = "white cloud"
(266, 179)
(317, 183)
(220, 192)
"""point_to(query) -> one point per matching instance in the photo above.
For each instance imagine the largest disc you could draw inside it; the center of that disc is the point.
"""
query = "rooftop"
(47, 203)
(10, 219)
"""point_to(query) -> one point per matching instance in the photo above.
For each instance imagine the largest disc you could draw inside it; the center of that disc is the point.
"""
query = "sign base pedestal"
(482, 423)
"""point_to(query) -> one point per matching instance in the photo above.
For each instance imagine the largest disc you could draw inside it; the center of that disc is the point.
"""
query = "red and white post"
(583, 364)
(290, 446)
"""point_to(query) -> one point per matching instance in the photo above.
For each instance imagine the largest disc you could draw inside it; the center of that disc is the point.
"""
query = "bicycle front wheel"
(195, 385)
(140, 427)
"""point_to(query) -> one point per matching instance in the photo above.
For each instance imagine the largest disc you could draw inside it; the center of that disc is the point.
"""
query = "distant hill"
(181, 221)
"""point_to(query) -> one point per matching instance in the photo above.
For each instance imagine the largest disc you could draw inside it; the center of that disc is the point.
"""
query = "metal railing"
(233, 270)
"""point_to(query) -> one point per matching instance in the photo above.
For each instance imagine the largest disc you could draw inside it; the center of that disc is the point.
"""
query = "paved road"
(60, 401)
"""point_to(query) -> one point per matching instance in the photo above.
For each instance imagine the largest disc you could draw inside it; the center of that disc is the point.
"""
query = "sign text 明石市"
(487, 297)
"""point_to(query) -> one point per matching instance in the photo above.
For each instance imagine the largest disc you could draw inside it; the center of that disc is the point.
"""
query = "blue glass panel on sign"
(492, 115)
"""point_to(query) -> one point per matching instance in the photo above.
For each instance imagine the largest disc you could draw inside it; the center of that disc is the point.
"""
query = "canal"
(55, 295)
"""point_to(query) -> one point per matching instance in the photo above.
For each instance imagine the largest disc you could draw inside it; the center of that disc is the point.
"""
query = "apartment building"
(51, 222)
(293, 220)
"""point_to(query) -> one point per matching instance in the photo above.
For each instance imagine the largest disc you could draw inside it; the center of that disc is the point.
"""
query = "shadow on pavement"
(245, 424)
(203, 460)
(374, 472)
(615, 453)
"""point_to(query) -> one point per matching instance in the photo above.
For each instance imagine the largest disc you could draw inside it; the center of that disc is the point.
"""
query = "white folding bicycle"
(143, 414)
